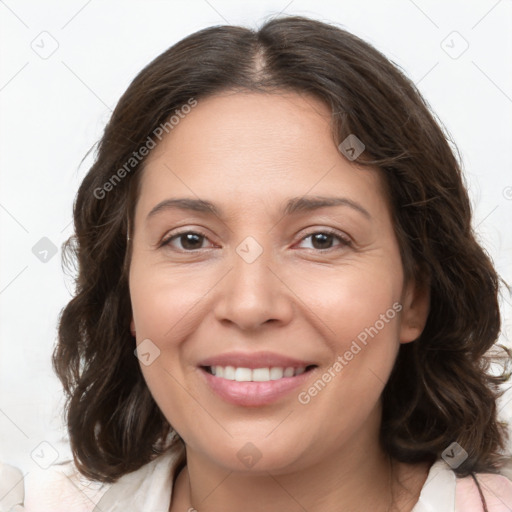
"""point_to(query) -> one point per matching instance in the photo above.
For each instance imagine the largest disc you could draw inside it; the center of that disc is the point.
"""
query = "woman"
(277, 228)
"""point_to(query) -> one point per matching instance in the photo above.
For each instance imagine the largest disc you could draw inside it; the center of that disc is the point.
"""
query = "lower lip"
(254, 394)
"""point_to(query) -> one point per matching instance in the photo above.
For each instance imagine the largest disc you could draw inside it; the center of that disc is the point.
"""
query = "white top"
(62, 489)
(132, 495)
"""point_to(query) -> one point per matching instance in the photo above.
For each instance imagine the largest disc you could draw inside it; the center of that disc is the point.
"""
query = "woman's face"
(298, 307)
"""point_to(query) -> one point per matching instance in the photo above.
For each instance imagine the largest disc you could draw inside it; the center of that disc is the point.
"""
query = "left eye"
(323, 240)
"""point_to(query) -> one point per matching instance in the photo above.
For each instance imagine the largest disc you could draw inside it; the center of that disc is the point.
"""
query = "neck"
(333, 491)
(359, 476)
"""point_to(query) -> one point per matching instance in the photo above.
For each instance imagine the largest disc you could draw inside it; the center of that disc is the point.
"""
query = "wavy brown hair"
(440, 390)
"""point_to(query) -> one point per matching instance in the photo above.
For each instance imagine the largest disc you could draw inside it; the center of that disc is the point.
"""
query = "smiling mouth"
(241, 374)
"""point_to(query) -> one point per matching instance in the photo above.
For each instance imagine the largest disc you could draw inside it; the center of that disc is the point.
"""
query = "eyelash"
(344, 241)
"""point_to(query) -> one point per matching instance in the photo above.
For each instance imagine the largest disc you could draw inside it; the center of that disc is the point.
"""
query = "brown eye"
(323, 240)
(188, 240)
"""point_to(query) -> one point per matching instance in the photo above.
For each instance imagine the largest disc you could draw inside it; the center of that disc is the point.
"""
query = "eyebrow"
(293, 206)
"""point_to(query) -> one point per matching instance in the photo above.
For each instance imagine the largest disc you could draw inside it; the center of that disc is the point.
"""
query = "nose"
(253, 294)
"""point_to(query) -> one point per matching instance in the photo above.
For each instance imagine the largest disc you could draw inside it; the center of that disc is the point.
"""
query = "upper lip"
(255, 360)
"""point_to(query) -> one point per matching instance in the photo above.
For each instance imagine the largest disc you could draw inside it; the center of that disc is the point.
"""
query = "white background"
(54, 109)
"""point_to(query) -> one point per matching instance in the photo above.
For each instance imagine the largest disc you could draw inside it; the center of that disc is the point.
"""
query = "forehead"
(254, 148)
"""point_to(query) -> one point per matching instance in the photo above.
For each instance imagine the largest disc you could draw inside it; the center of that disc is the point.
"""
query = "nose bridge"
(252, 294)
(250, 250)
(251, 278)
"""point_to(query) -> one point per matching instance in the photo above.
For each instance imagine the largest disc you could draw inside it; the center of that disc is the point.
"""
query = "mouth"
(266, 374)
(257, 386)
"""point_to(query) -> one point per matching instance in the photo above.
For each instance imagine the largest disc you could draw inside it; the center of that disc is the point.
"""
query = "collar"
(150, 487)
(438, 491)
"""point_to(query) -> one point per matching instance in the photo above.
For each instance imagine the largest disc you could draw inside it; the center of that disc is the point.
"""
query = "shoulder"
(11, 487)
(443, 491)
(496, 489)
(59, 488)
(62, 488)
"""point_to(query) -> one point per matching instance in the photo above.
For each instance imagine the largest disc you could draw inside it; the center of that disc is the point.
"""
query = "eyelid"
(330, 231)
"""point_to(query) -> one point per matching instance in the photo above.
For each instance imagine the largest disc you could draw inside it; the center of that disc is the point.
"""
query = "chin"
(258, 456)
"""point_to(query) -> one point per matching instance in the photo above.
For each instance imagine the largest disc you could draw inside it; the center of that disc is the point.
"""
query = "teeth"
(243, 374)
(260, 374)
(276, 373)
(256, 375)
(290, 372)
(229, 372)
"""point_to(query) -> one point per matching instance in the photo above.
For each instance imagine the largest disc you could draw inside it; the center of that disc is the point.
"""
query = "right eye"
(189, 240)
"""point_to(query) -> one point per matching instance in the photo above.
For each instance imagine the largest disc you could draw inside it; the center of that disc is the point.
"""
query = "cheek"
(353, 299)
(165, 306)
(359, 310)
(165, 303)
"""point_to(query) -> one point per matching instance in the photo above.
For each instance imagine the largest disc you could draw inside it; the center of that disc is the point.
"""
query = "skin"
(249, 153)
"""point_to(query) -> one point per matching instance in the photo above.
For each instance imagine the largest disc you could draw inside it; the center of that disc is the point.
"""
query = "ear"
(132, 327)
(416, 306)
